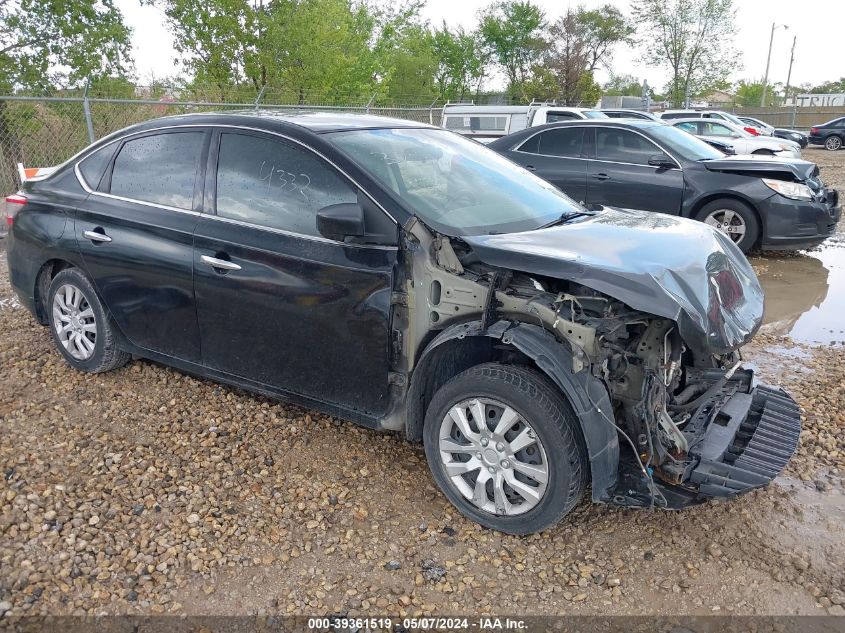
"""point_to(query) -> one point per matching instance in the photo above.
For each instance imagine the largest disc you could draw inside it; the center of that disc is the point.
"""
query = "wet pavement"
(804, 293)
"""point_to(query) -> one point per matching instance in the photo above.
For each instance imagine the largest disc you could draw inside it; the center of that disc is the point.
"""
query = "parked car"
(791, 135)
(762, 128)
(770, 203)
(720, 115)
(409, 279)
(485, 123)
(629, 114)
(741, 141)
(830, 134)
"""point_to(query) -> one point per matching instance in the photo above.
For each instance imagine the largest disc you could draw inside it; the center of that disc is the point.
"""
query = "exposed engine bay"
(691, 424)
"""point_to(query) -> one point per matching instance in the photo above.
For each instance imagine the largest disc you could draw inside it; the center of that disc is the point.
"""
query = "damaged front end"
(661, 340)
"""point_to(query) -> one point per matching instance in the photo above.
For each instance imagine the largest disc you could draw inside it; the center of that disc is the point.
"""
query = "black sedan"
(830, 134)
(409, 279)
(769, 203)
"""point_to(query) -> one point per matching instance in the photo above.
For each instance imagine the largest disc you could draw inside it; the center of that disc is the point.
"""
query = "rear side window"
(488, 123)
(688, 126)
(159, 168)
(675, 115)
(94, 165)
(563, 142)
(275, 184)
(623, 146)
(552, 117)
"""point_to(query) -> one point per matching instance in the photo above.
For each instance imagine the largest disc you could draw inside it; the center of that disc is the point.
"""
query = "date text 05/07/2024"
(416, 624)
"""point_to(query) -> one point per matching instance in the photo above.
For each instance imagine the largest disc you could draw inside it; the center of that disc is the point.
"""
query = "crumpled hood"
(800, 169)
(663, 265)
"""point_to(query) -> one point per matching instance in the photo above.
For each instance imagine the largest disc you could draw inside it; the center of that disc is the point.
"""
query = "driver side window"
(275, 184)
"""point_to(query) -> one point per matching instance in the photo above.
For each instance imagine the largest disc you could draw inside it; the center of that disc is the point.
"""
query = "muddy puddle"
(805, 294)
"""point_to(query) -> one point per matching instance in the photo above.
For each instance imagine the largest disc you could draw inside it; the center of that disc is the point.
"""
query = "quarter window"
(275, 184)
(94, 165)
(159, 168)
(622, 146)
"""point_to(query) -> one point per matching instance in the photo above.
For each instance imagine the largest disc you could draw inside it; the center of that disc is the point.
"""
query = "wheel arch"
(722, 195)
(48, 270)
(465, 345)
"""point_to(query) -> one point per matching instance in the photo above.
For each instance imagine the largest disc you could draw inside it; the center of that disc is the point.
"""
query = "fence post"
(86, 108)
(370, 102)
(431, 111)
(260, 95)
(794, 112)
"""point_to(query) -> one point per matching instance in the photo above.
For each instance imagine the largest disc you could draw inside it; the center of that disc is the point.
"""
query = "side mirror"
(339, 221)
(662, 161)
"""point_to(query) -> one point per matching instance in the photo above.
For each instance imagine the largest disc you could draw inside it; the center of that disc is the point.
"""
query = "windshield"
(684, 144)
(455, 185)
(595, 114)
(733, 119)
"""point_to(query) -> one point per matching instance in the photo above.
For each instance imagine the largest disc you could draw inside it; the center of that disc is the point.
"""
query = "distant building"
(718, 98)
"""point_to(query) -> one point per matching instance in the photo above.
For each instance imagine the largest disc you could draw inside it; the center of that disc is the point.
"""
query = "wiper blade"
(566, 217)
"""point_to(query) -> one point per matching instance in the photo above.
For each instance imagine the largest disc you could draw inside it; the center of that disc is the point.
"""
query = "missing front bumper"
(741, 439)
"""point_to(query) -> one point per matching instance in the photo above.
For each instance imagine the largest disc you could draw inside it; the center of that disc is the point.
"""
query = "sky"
(818, 58)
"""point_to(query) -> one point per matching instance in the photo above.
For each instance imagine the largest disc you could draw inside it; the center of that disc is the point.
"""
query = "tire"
(738, 215)
(557, 447)
(81, 330)
(833, 143)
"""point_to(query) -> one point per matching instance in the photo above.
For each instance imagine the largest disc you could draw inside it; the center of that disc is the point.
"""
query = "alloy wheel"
(729, 222)
(833, 143)
(493, 457)
(73, 319)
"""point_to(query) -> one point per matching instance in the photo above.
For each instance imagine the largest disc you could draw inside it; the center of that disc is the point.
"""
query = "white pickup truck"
(486, 123)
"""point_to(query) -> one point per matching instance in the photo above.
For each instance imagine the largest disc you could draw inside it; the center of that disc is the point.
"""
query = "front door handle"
(97, 235)
(530, 168)
(601, 176)
(220, 264)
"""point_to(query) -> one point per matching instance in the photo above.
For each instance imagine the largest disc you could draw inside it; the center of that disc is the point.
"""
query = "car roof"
(628, 124)
(317, 122)
(691, 119)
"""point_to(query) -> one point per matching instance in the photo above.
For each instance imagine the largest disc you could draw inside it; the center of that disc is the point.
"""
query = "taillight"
(752, 130)
(814, 131)
(14, 203)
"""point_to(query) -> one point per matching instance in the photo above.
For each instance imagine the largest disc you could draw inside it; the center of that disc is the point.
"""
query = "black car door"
(556, 156)
(279, 304)
(135, 234)
(619, 174)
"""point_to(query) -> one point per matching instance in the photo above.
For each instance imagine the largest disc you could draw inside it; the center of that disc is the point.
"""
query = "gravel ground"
(148, 491)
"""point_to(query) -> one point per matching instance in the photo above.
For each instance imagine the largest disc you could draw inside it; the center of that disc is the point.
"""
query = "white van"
(486, 123)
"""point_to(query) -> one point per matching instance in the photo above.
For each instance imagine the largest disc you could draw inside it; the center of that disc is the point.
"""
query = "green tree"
(579, 41)
(461, 61)
(48, 44)
(623, 86)
(293, 46)
(411, 69)
(749, 93)
(692, 38)
(829, 87)
(512, 30)
(603, 29)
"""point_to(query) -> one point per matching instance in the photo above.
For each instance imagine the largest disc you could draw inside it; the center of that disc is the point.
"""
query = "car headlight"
(791, 190)
(786, 148)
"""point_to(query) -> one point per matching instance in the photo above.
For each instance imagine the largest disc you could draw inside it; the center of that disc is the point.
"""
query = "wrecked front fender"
(663, 265)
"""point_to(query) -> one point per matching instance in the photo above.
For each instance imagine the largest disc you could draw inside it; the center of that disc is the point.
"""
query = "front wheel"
(833, 143)
(506, 449)
(735, 219)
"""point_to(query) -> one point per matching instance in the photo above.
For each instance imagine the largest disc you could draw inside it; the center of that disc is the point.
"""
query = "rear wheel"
(735, 219)
(833, 143)
(81, 330)
(505, 447)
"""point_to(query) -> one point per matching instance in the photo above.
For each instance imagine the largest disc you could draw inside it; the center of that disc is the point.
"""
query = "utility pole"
(768, 62)
(791, 59)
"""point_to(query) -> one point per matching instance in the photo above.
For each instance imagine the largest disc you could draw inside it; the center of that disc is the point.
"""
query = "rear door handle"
(97, 235)
(601, 176)
(530, 168)
(220, 264)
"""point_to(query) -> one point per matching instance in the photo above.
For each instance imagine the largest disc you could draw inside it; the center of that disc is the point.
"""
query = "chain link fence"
(44, 131)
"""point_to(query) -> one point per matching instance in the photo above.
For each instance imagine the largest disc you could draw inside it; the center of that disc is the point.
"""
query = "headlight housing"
(786, 148)
(791, 190)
